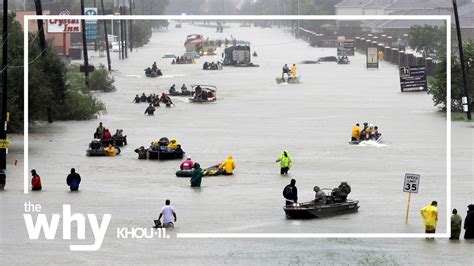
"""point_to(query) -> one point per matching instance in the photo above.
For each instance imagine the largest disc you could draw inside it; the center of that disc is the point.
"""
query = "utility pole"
(122, 35)
(298, 21)
(95, 40)
(84, 46)
(131, 28)
(3, 126)
(109, 65)
(125, 32)
(39, 12)
(465, 100)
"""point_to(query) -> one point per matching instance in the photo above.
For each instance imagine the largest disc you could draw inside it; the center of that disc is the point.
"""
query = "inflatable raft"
(101, 152)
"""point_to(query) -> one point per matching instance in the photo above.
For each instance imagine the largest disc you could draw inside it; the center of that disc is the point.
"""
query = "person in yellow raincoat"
(380, 54)
(285, 162)
(173, 144)
(228, 166)
(356, 132)
(110, 150)
(293, 70)
(430, 217)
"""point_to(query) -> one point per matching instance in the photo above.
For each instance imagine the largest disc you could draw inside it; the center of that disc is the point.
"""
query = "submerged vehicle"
(196, 43)
(169, 55)
(310, 62)
(203, 93)
(238, 55)
(311, 209)
(327, 59)
(192, 55)
(288, 80)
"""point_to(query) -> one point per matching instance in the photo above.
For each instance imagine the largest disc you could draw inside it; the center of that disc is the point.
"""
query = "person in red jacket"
(107, 135)
(35, 181)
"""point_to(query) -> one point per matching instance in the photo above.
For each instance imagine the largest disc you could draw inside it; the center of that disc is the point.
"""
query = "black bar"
(463, 65)
(84, 46)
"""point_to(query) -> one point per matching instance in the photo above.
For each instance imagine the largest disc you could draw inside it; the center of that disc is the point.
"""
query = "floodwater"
(254, 119)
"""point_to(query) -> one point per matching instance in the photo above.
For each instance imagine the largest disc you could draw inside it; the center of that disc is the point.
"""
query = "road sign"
(345, 47)
(91, 24)
(372, 58)
(413, 78)
(4, 143)
(412, 183)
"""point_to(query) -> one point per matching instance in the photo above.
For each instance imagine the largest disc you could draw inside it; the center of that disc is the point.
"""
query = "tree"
(141, 32)
(438, 83)
(428, 40)
(50, 90)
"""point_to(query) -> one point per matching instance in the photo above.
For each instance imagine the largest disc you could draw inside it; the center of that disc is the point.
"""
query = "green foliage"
(78, 103)
(100, 80)
(141, 32)
(15, 73)
(49, 88)
(430, 41)
(438, 82)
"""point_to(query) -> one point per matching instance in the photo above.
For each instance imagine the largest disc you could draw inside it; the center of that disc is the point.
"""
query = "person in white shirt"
(168, 213)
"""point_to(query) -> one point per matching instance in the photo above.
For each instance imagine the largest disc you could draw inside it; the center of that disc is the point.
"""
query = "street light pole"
(109, 65)
(84, 46)
(465, 101)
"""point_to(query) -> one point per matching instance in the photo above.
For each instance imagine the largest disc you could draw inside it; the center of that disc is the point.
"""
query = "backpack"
(287, 192)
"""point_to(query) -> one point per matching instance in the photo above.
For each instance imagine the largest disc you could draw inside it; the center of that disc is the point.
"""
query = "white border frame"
(446, 18)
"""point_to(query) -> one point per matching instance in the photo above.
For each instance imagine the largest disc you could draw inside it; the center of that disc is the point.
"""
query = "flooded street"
(254, 120)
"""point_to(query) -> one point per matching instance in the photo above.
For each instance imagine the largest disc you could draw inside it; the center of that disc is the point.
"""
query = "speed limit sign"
(412, 183)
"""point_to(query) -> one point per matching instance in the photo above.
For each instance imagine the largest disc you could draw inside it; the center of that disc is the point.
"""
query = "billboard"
(413, 78)
(64, 26)
(372, 59)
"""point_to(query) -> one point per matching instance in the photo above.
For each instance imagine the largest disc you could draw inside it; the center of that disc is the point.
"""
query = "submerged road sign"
(413, 78)
(412, 183)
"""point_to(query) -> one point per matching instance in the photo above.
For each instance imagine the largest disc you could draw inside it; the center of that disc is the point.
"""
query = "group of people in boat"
(212, 66)
(338, 194)
(226, 168)
(157, 145)
(184, 89)
(183, 60)
(202, 95)
(343, 59)
(153, 70)
(104, 141)
(287, 72)
(369, 132)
